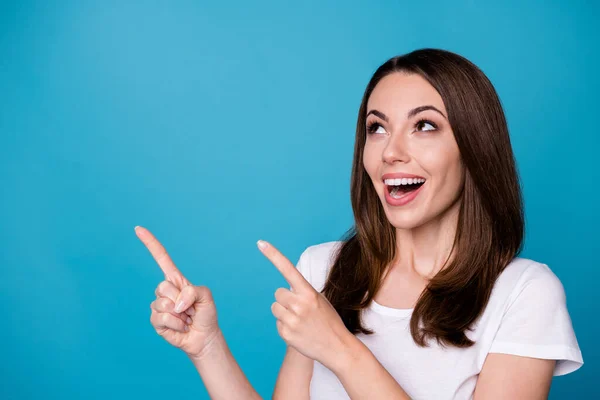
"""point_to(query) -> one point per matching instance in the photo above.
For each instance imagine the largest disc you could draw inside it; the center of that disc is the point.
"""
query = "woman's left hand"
(305, 318)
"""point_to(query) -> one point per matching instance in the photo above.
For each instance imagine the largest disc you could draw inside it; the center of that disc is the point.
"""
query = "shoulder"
(316, 261)
(526, 277)
(524, 290)
(529, 317)
(323, 252)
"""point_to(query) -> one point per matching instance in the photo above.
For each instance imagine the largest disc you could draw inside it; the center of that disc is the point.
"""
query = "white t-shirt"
(526, 316)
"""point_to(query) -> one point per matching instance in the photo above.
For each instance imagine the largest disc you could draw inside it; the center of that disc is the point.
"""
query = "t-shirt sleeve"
(537, 324)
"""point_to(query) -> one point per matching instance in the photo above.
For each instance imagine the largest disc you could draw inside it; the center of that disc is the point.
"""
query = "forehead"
(399, 92)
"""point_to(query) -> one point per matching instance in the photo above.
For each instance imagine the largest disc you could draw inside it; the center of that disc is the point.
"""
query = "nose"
(396, 149)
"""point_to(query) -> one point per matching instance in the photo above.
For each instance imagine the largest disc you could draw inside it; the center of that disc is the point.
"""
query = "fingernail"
(189, 320)
(179, 306)
(187, 328)
(261, 244)
(190, 311)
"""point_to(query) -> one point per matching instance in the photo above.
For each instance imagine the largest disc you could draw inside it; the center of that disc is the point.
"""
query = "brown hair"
(490, 223)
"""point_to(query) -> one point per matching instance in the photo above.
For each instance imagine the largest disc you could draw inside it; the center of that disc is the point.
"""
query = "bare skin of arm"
(503, 377)
(185, 316)
(221, 374)
(506, 376)
(293, 381)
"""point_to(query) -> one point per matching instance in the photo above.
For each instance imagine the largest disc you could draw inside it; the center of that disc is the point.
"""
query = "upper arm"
(506, 376)
(293, 382)
(534, 342)
(536, 325)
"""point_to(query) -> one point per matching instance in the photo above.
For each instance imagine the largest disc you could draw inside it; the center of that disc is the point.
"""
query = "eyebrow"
(410, 114)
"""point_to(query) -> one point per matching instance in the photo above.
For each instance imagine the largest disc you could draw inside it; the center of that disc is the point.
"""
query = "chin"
(408, 218)
(405, 220)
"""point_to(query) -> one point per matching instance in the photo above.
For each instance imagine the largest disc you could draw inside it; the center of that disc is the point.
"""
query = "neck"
(422, 251)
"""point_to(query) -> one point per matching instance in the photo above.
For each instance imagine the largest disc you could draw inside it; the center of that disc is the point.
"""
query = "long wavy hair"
(490, 223)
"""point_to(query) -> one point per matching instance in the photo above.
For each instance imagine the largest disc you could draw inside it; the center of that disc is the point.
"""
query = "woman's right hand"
(183, 314)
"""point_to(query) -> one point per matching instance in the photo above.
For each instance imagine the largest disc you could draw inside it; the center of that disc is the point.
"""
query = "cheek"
(453, 166)
(372, 164)
(450, 173)
(370, 159)
(439, 157)
(443, 163)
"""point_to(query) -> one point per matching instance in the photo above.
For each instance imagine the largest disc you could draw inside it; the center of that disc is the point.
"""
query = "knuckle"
(188, 290)
(293, 322)
(300, 309)
(279, 294)
(161, 288)
(205, 293)
(164, 304)
(313, 297)
(163, 318)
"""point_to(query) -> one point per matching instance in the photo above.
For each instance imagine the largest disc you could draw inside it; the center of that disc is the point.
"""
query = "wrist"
(352, 350)
(213, 342)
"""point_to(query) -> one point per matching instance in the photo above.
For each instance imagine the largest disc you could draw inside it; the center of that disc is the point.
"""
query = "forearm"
(364, 377)
(221, 374)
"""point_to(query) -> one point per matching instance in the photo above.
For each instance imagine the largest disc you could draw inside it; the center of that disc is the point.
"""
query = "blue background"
(217, 125)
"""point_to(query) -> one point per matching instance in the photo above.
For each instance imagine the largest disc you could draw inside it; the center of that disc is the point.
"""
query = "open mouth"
(398, 188)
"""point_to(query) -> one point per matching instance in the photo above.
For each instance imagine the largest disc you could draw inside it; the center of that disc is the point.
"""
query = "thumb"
(190, 295)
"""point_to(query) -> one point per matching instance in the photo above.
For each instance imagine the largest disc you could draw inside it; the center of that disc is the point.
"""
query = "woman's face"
(410, 152)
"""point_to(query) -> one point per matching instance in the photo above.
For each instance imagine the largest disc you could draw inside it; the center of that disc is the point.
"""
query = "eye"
(426, 124)
(373, 127)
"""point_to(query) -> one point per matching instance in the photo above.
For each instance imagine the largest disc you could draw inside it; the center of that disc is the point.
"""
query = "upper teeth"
(403, 181)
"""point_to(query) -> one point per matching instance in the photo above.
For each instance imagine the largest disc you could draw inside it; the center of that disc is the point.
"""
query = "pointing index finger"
(285, 266)
(159, 253)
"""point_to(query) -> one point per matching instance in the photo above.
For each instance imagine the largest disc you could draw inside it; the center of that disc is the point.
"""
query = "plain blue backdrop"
(215, 125)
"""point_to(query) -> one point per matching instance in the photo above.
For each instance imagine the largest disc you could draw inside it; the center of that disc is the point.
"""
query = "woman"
(425, 297)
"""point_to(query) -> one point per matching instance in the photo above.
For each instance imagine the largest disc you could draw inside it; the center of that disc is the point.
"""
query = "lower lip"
(407, 198)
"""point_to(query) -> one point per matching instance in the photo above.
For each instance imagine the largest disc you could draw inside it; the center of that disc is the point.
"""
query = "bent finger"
(169, 290)
(190, 295)
(286, 298)
(169, 321)
(279, 311)
(165, 305)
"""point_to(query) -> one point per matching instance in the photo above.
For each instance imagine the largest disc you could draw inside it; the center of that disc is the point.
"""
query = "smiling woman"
(425, 297)
(429, 278)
